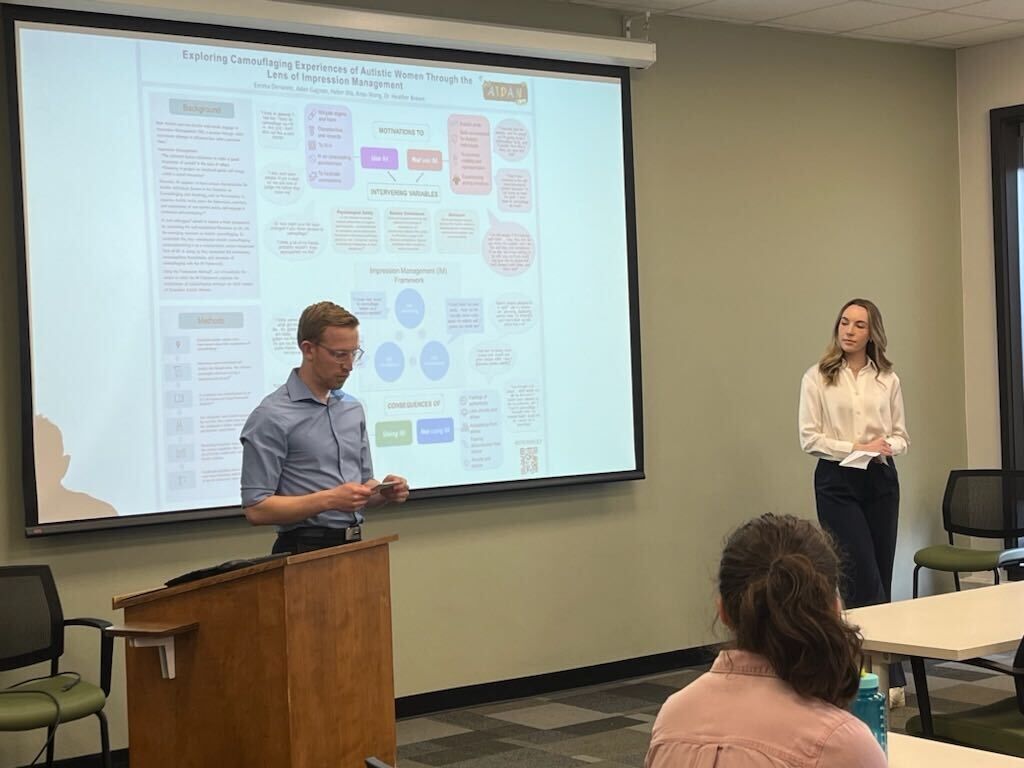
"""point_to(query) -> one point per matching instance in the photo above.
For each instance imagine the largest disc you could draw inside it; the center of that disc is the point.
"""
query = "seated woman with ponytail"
(778, 697)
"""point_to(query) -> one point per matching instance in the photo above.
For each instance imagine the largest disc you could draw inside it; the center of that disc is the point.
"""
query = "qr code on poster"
(528, 460)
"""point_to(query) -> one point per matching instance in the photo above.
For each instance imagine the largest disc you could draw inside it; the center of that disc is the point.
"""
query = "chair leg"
(956, 580)
(51, 742)
(104, 739)
(917, 570)
(996, 572)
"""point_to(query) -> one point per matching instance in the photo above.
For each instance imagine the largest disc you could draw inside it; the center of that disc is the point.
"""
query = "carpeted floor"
(610, 725)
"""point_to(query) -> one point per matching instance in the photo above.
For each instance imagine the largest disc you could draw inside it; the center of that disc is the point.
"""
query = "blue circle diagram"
(389, 361)
(434, 360)
(409, 308)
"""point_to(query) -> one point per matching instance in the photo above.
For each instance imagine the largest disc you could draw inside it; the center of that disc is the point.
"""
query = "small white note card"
(858, 459)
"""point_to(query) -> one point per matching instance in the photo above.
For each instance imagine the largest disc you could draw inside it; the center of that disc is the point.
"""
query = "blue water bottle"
(869, 706)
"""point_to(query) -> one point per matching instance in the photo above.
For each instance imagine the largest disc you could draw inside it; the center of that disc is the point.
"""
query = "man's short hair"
(324, 314)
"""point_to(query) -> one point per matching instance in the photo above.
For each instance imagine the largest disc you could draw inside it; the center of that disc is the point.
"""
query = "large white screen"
(184, 199)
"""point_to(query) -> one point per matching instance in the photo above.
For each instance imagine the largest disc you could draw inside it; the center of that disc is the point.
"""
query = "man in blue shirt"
(306, 464)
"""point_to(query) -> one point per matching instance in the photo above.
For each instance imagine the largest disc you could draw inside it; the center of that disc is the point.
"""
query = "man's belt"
(323, 535)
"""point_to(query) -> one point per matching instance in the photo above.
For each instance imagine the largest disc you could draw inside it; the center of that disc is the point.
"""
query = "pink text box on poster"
(423, 159)
(469, 153)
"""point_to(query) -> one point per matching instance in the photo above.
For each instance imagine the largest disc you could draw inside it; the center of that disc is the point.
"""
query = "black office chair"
(32, 631)
(997, 727)
(984, 503)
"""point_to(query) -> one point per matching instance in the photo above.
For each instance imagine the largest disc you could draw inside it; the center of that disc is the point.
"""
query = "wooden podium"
(285, 664)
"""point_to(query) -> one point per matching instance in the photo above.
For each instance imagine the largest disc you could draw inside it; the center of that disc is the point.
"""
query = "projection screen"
(186, 192)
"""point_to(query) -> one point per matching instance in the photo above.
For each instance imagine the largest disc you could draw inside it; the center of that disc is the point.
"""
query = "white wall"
(988, 76)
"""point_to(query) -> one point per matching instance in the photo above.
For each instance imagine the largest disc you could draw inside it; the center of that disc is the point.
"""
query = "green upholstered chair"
(984, 503)
(31, 632)
(997, 727)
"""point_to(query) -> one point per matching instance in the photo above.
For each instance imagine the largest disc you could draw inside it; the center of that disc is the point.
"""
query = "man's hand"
(349, 497)
(397, 493)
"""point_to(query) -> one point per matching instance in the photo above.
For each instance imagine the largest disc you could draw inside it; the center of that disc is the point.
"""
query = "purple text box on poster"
(379, 157)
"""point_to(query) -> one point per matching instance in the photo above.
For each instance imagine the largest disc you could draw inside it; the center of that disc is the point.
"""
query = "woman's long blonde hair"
(832, 361)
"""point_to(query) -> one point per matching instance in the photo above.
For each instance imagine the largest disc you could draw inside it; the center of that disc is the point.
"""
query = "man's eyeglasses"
(343, 355)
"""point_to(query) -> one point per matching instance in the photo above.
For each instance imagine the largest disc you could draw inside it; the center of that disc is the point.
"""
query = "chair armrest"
(1011, 557)
(83, 621)
(106, 647)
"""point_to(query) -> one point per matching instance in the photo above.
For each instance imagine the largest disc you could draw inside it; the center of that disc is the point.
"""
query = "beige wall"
(777, 175)
(988, 76)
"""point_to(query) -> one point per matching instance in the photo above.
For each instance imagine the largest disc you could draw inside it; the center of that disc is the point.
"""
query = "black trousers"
(860, 508)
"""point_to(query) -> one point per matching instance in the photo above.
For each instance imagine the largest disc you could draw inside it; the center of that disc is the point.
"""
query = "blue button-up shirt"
(293, 444)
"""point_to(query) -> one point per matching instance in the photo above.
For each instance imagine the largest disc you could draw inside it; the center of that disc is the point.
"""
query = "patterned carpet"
(610, 725)
(954, 688)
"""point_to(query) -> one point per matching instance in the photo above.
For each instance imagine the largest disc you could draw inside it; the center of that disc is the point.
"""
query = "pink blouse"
(740, 715)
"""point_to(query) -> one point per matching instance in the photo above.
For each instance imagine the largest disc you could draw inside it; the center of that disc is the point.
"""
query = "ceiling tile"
(638, 7)
(925, 22)
(928, 26)
(752, 10)
(873, 38)
(855, 14)
(792, 28)
(933, 44)
(658, 6)
(929, 5)
(655, 6)
(981, 36)
(1008, 10)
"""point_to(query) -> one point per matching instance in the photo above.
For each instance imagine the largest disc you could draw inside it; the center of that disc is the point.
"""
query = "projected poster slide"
(423, 222)
(471, 218)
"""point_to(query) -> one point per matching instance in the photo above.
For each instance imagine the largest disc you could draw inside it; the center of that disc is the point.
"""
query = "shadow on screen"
(58, 504)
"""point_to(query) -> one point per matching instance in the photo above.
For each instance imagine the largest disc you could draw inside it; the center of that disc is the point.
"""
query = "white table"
(953, 627)
(910, 752)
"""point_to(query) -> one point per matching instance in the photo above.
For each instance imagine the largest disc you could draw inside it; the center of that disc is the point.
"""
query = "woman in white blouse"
(851, 401)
